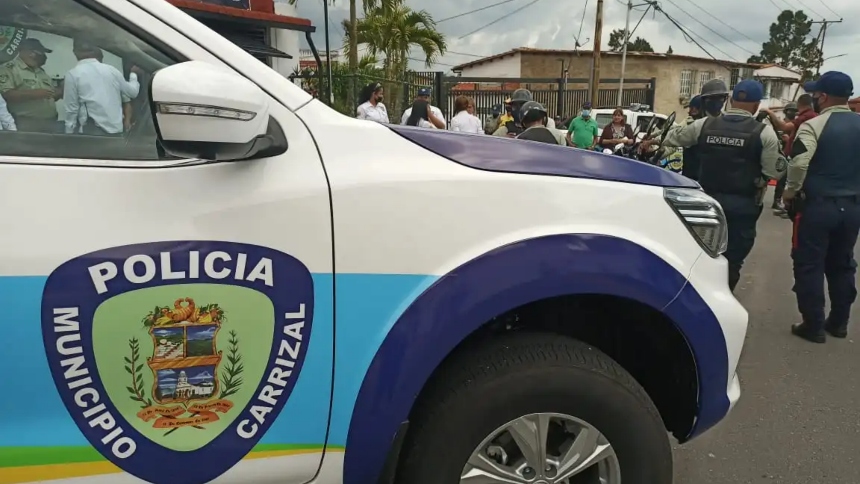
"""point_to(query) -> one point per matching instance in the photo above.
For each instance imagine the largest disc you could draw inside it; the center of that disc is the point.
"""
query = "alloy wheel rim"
(543, 448)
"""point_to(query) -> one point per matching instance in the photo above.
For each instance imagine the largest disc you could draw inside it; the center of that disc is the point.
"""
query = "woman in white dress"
(371, 107)
(464, 119)
(421, 115)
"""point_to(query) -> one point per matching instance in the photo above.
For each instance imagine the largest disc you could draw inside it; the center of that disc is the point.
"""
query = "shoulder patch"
(798, 148)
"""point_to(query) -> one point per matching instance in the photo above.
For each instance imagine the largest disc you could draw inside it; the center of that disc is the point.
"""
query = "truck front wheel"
(535, 408)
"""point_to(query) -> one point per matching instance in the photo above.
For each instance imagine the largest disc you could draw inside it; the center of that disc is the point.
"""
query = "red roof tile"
(237, 12)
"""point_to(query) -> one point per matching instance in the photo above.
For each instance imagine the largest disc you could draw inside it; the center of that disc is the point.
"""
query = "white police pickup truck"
(248, 287)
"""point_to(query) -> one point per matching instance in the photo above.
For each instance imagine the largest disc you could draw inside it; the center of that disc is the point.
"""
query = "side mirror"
(209, 112)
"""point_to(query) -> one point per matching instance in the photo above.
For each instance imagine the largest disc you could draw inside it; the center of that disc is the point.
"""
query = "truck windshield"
(603, 120)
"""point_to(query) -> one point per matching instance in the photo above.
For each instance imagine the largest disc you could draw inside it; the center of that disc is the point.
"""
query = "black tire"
(472, 397)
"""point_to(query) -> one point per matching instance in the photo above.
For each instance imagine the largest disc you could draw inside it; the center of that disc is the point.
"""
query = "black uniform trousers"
(742, 214)
(825, 232)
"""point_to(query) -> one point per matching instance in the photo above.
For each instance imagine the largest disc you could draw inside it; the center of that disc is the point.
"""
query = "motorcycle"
(661, 156)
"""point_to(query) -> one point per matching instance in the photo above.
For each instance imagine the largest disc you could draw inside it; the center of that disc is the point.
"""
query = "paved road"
(798, 420)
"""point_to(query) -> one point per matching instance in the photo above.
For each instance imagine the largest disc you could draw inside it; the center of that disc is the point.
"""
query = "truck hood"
(494, 153)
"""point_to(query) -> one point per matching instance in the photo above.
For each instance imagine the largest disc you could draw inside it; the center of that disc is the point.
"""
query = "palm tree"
(392, 29)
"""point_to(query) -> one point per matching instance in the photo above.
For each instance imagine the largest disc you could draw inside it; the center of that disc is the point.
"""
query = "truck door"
(165, 318)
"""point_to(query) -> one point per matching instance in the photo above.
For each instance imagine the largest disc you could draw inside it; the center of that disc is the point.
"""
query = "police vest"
(834, 170)
(539, 133)
(729, 155)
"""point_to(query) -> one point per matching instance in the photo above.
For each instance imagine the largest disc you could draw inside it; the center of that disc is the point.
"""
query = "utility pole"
(624, 54)
(821, 35)
(598, 32)
(627, 36)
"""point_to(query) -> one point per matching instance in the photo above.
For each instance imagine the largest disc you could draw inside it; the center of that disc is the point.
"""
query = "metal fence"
(562, 97)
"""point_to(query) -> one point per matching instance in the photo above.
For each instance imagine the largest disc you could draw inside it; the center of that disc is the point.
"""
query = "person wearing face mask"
(583, 131)
(370, 104)
(822, 194)
(738, 156)
(29, 91)
(491, 124)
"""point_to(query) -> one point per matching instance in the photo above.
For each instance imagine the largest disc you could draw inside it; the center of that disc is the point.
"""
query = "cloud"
(555, 24)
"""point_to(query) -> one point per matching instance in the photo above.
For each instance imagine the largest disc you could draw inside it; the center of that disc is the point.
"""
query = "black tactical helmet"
(532, 111)
(790, 107)
(521, 95)
(714, 87)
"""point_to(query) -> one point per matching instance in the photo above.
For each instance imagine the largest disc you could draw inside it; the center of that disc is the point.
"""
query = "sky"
(555, 24)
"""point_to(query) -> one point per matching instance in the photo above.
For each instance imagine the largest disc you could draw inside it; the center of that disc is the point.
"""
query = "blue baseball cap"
(497, 109)
(833, 83)
(748, 91)
(424, 91)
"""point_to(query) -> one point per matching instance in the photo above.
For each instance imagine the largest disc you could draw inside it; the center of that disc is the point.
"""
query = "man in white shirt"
(94, 94)
(7, 122)
(424, 95)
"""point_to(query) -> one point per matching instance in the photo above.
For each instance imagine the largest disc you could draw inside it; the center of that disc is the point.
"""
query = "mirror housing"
(209, 112)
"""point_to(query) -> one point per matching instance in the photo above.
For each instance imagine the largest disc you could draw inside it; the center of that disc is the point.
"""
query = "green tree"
(344, 81)
(391, 29)
(616, 43)
(670, 51)
(790, 44)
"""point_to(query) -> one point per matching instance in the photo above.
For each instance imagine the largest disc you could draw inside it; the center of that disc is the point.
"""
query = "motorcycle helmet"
(714, 95)
(521, 96)
(714, 87)
(518, 98)
(532, 111)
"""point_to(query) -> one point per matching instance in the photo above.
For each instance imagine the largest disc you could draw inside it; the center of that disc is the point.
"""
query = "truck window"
(75, 84)
(603, 120)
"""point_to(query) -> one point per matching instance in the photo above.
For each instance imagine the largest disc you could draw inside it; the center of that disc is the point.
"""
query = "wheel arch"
(466, 299)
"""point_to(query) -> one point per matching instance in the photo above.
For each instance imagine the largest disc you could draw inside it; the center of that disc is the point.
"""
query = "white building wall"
(509, 66)
(285, 40)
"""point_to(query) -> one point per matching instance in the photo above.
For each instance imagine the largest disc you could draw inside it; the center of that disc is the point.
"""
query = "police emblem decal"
(10, 41)
(157, 351)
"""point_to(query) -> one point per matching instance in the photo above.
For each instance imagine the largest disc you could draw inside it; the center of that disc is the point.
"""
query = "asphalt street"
(798, 419)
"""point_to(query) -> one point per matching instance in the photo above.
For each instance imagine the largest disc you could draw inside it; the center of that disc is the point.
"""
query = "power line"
(809, 8)
(424, 61)
(712, 30)
(499, 19)
(581, 23)
(473, 11)
(687, 35)
(464, 54)
(720, 21)
(828, 8)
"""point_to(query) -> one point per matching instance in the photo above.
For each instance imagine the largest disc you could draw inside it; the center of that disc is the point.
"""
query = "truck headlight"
(702, 215)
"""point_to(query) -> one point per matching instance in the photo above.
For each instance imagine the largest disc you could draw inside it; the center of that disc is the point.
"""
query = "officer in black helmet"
(534, 119)
(514, 127)
(738, 156)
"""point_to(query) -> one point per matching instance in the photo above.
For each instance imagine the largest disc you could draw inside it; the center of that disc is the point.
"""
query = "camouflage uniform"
(32, 115)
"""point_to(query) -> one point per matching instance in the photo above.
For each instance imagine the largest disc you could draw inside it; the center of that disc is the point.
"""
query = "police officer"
(737, 157)
(513, 127)
(690, 166)
(28, 90)
(822, 192)
(694, 109)
(534, 120)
